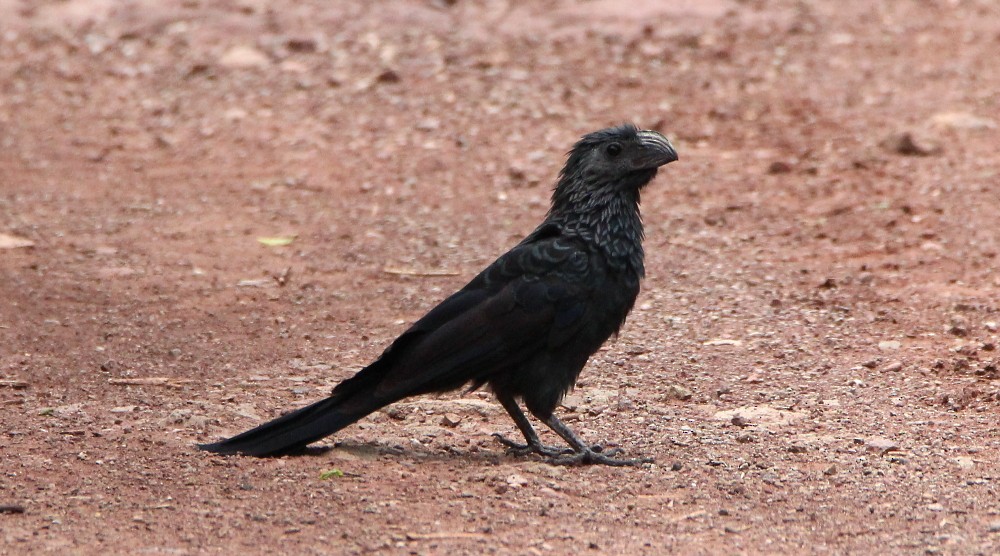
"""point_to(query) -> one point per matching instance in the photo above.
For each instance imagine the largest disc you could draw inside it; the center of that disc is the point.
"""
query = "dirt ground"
(812, 361)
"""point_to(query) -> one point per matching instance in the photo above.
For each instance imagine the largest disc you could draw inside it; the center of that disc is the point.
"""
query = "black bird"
(526, 325)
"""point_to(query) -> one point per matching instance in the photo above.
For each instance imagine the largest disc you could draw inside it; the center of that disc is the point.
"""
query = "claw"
(524, 449)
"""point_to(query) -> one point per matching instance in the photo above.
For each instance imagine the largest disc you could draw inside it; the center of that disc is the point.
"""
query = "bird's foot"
(531, 448)
(595, 456)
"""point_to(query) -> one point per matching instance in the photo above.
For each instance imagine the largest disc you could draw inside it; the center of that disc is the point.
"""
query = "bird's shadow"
(368, 451)
(371, 451)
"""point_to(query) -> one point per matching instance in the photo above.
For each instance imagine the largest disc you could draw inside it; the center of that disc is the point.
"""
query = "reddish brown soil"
(824, 287)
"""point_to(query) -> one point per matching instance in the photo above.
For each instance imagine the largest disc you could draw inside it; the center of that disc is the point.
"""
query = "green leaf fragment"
(331, 473)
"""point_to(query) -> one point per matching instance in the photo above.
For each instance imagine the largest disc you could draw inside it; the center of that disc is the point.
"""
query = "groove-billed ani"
(527, 324)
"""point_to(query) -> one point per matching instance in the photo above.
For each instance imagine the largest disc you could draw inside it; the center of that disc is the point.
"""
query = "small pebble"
(881, 445)
(779, 167)
(893, 367)
(243, 57)
(965, 462)
(451, 419)
(676, 392)
(906, 145)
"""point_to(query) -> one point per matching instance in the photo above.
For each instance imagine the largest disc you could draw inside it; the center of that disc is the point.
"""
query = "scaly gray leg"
(534, 445)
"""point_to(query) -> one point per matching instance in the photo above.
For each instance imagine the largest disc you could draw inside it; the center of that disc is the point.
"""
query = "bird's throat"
(611, 223)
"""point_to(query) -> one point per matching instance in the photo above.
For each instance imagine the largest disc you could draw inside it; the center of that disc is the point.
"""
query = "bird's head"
(617, 159)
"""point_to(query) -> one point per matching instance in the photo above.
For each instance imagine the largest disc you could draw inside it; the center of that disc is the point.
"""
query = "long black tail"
(351, 400)
(293, 431)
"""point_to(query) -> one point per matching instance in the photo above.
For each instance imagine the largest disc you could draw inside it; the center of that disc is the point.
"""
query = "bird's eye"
(613, 150)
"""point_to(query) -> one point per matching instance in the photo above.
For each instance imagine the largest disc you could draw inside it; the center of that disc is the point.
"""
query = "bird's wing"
(532, 298)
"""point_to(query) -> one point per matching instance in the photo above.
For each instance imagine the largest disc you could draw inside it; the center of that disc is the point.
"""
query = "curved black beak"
(657, 150)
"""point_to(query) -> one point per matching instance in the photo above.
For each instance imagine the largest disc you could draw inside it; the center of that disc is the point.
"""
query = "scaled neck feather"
(608, 218)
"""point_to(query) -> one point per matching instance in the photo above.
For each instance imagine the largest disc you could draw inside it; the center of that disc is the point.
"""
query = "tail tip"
(216, 448)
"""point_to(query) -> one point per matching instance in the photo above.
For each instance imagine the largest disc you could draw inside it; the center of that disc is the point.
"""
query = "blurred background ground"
(812, 361)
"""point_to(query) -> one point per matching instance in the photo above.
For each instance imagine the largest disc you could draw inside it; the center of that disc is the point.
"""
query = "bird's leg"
(583, 454)
(533, 442)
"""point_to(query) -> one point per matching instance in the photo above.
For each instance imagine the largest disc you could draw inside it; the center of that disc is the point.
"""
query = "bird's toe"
(533, 448)
(591, 457)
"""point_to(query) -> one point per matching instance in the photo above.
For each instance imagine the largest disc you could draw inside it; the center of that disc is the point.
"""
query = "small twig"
(445, 535)
(150, 381)
(14, 242)
(141, 381)
(692, 515)
(722, 342)
(258, 283)
(415, 272)
(15, 384)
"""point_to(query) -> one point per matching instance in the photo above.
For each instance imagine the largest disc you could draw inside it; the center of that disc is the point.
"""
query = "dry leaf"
(276, 241)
